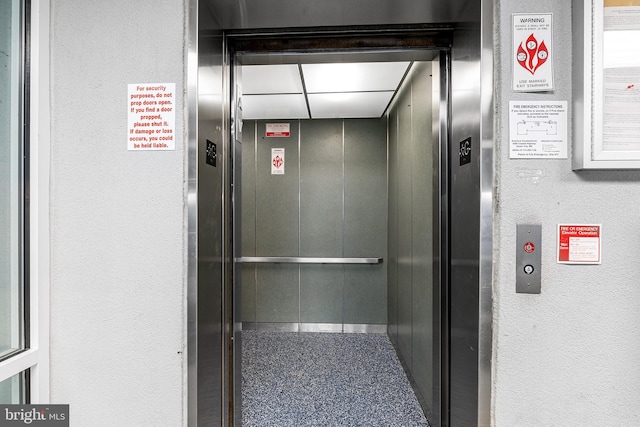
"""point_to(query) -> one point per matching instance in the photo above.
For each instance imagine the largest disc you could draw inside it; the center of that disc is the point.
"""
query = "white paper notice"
(277, 161)
(621, 81)
(152, 116)
(538, 129)
(532, 52)
(617, 18)
(621, 118)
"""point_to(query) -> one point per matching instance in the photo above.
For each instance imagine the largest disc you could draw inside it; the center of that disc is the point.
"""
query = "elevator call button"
(528, 258)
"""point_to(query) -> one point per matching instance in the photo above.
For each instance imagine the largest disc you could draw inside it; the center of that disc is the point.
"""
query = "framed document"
(606, 84)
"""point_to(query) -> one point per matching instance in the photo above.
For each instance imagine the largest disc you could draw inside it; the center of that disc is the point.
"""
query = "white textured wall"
(569, 356)
(117, 217)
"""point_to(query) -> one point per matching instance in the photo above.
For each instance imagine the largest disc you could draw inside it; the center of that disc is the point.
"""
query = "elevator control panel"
(528, 258)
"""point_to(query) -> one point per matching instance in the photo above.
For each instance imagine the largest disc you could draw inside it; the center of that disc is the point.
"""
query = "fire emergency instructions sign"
(538, 129)
(152, 116)
(532, 52)
(579, 243)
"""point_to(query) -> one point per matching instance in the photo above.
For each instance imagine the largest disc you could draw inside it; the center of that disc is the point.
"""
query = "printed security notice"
(152, 116)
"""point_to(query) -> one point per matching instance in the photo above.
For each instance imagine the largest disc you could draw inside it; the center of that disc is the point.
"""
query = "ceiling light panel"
(272, 79)
(258, 107)
(348, 105)
(353, 77)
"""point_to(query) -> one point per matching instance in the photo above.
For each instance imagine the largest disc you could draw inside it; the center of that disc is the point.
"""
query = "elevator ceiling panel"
(271, 79)
(348, 104)
(275, 106)
(337, 90)
(353, 77)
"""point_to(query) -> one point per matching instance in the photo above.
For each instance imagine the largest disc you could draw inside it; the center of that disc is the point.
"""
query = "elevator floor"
(324, 379)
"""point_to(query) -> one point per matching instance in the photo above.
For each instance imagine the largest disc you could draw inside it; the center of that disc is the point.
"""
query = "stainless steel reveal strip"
(307, 260)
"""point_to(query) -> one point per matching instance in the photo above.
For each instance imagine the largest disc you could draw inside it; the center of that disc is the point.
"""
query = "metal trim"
(306, 260)
(191, 101)
(364, 328)
(485, 292)
(339, 328)
(24, 171)
(321, 327)
(441, 72)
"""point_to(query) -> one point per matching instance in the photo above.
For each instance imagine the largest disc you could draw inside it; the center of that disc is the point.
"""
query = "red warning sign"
(579, 243)
(278, 130)
(532, 55)
(277, 161)
(532, 52)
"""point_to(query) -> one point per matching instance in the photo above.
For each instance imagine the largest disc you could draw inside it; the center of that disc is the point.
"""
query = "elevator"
(441, 236)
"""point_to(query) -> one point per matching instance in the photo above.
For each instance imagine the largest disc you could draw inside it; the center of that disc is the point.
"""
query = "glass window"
(12, 179)
(13, 390)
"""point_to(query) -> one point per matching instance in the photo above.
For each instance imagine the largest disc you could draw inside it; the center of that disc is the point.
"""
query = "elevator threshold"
(317, 379)
(346, 328)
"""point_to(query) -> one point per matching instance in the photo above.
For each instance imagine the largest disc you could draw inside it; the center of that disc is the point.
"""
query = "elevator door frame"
(207, 104)
(380, 44)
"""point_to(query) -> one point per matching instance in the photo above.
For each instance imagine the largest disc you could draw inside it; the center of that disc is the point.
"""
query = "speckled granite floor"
(324, 379)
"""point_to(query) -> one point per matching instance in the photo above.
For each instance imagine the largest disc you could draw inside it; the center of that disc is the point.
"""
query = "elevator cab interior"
(382, 186)
(336, 160)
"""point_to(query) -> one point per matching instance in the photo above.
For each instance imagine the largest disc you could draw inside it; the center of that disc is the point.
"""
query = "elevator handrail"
(305, 260)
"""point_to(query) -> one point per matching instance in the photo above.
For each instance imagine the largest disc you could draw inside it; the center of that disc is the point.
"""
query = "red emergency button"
(529, 247)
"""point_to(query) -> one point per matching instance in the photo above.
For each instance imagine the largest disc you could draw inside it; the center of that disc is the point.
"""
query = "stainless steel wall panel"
(321, 219)
(248, 289)
(365, 188)
(277, 295)
(321, 188)
(277, 196)
(249, 188)
(392, 237)
(365, 223)
(417, 175)
(422, 227)
(248, 213)
(321, 294)
(365, 294)
(364, 209)
(405, 238)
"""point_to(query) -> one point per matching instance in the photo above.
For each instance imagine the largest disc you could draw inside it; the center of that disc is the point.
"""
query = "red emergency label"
(579, 243)
(278, 130)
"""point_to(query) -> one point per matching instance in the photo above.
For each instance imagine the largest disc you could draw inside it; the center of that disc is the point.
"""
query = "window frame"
(34, 360)
(588, 74)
